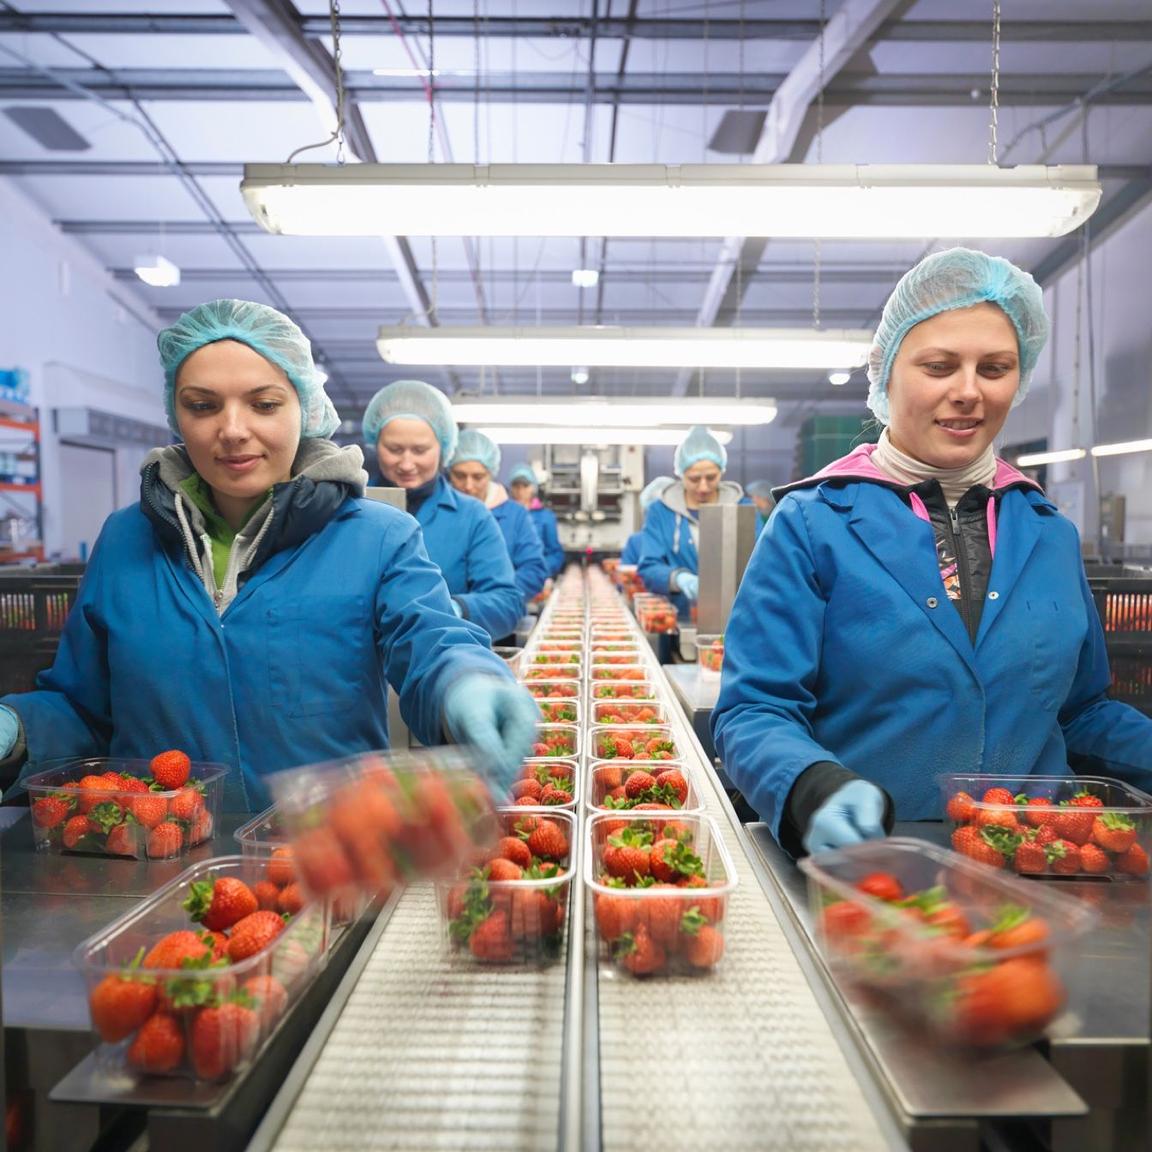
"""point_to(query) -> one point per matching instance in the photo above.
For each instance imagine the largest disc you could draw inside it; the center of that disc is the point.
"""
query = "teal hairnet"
(957, 278)
(277, 338)
(523, 474)
(473, 445)
(652, 491)
(759, 488)
(412, 400)
(699, 445)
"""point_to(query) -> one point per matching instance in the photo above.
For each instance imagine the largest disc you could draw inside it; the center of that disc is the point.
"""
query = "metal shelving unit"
(21, 493)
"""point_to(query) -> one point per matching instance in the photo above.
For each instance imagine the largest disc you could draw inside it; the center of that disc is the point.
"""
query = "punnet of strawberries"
(637, 688)
(619, 672)
(545, 783)
(623, 743)
(1051, 827)
(639, 784)
(510, 906)
(660, 892)
(560, 711)
(114, 807)
(553, 689)
(626, 712)
(972, 955)
(191, 983)
(555, 740)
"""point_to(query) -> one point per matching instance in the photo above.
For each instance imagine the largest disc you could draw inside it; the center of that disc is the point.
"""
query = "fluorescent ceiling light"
(846, 201)
(667, 412)
(1031, 459)
(839, 379)
(790, 348)
(1122, 448)
(157, 271)
(585, 277)
(579, 376)
(592, 436)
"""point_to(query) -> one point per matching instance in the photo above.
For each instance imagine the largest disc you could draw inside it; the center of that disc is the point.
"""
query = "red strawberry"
(186, 804)
(172, 950)
(222, 1038)
(122, 841)
(1063, 857)
(528, 787)
(674, 780)
(94, 790)
(881, 885)
(514, 849)
(253, 934)
(1086, 800)
(502, 870)
(159, 1045)
(637, 783)
(170, 769)
(1134, 862)
(267, 894)
(219, 902)
(201, 828)
(704, 948)
(1114, 831)
(121, 1002)
(1074, 824)
(1094, 860)
(291, 900)
(165, 840)
(321, 860)
(548, 842)
(76, 828)
(959, 808)
(280, 869)
(1040, 812)
(269, 997)
(615, 915)
(491, 939)
(49, 811)
(640, 954)
(1030, 858)
(969, 841)
(149, 809)
(998, 796)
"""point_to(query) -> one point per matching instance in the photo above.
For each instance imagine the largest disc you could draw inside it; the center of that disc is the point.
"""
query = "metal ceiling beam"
(578, 27)
(695, 89)
(841, 38)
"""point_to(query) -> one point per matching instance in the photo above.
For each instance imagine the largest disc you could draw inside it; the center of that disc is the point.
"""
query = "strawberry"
(222, 1038)
(1030, 858)
(1063, 857)
(514, 849)
(998, 796)
(1013, 1000)
(121, 1002)
(172, 950)
(491, 939)
(291, 900)
(548, 842)
(528, 787)
(253, 934)
(159, 1045)
(219, 901)
(671, 860)
(122, 841)
(996, 816)
(615, 915)
(149, 809)
(638, 782)
(534, 915)
(704, 947)
(627, 855)
(881, 885)
(267, 895)
(170, 769)
(94, 790)
(1040, 812)
(1134, 862)
(321, 860)
(75, 829)
(1085, 799)
(218, 942)
(165, 840)
(1114, 831)
(1017, 928)
(960, 808)
(502, 870)
(49, 811)
(1074, 824)
(673, 779)
(268, 996)
(280, 870)
(640, 954)
(969, 841)
(186, 804)
(1094, 860)
(201, 828)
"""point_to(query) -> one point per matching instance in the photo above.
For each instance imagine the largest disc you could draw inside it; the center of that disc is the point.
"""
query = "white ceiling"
(174, 97)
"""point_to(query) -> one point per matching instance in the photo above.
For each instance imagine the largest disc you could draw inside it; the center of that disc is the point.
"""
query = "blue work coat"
(523, 546)
(843, 646)
(462, 538)
(293, 672)
(544, 521)
(631, 552)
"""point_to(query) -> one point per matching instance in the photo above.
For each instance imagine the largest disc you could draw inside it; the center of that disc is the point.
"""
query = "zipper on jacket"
(961, 567)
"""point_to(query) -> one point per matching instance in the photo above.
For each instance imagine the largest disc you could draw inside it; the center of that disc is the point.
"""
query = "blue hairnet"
(651, 491)
(699, 445)
(523, 474)
(277, 338)
(474, 445)
(412, 400)
(957, 278)
(759, 488)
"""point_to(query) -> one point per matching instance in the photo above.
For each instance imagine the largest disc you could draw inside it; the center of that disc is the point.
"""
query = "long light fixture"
(597, 412)
(606, 347)
(607, 435)
(845, 201)
(1064, 455)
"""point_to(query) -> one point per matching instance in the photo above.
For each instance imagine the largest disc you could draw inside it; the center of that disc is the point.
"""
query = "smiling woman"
(920, 603)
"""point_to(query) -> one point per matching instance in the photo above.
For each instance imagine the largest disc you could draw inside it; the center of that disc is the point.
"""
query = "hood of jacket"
(673, 496)
(497, 495)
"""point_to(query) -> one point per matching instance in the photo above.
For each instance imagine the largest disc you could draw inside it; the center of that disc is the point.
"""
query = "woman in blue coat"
(919, 606)
(252, 608)
(471, 470)
(411, 432)
(669, 563)
(522, 486)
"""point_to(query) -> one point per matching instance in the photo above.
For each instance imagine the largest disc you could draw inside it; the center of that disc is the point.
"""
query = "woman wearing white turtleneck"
(919, 606)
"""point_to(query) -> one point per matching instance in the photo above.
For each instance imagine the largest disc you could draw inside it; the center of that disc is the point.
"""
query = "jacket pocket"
(1055, 633)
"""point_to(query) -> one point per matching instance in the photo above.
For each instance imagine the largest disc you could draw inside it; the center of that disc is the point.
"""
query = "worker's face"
(521, 492)
(240, 419)
(471, 478)
(408, 452)
(952, 385)
(702, 483)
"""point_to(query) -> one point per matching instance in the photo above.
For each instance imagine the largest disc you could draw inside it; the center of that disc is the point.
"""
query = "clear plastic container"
(514, 921)
(633, 689)
(548, 650)
(187, 1022)
(1054, 825)
(607, 782)
(130, 820)
(709, 654)
(381, 817)
(628, 742)
(676, 925)
(628, 712)
(981, 958)
(560, 711)
(560, 772)
(511, 656)
(530, 671)
(553, 689)
(553, 740)
(635, 671)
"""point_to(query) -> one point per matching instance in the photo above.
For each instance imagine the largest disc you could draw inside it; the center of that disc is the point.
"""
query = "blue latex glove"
(9, 730)
(498, 718)
(689, 584)
(457, 609)
(854, 812)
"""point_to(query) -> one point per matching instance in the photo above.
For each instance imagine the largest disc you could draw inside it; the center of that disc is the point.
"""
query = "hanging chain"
(994, 95)
(818, 253)
(338, 63)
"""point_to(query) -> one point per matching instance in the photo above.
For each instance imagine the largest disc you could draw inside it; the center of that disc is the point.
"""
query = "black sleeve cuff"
(813, 786)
